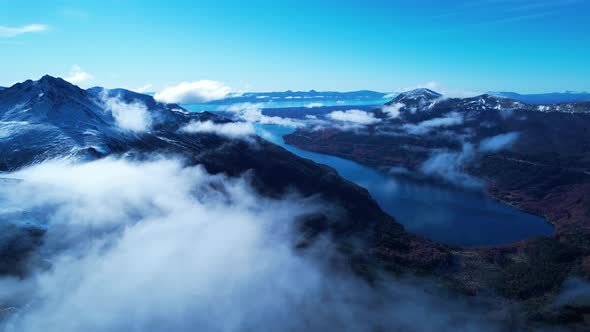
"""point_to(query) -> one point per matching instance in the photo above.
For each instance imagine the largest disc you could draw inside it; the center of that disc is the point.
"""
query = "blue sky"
(517, 45)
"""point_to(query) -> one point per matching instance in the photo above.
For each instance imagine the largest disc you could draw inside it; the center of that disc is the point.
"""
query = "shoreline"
(431, 181)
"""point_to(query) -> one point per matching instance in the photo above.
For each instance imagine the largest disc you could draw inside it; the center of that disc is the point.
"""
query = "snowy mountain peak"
(46, 85)
(417, 95)
(418, 98)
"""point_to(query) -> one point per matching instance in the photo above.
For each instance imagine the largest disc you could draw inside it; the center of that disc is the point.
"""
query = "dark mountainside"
(51, 118)
(535, 157)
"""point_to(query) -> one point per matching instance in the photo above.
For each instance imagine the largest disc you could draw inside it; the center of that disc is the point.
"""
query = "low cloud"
(133, 116)
(194, 92)
(498, 142)
(158, 245)
(353, 116)
(451, 119)
(392, 111)
(253, 113)
(230, 129)
(77, 75)
(575, 292)
(449, 165)
(15, 31)
(143, 89)
(314, 105)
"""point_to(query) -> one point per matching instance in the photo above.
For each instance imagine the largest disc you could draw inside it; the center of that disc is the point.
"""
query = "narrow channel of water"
(440, 213)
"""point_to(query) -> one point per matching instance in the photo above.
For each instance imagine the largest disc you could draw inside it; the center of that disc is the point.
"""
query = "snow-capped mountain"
(418, 98)
(50, 117)
(428, 100)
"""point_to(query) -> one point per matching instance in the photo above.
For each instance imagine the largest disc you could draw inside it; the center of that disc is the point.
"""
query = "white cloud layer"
(498, 142)
(15, 31)
(194, 92)
(77, 75)
(253, 113)
(129, 116)
(158, 246)
(353, 116)
(450, 119)
(393, 110)
(314, 105)
(449, 166)
(230, 129)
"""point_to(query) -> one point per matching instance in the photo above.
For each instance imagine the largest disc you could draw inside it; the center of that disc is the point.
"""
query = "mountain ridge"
(272, 170)
(428, 100)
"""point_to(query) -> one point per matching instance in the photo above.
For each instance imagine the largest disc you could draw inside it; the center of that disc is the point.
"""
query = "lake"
(441, 213)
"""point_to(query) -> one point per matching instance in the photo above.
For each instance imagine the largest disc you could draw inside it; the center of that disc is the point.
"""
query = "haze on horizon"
(457, 47)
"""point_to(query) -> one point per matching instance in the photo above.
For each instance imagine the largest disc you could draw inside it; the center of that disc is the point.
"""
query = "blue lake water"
(444, 214)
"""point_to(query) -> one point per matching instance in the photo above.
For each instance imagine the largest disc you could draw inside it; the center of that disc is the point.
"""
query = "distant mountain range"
(51, 118)
(546, 98)
(311, 95)
(368, 95)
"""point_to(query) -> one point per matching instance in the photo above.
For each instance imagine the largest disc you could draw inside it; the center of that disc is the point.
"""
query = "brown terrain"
(545, 171)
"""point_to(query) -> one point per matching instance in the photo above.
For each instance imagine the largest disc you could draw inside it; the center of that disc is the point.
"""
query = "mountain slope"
(535, 157)
(51, 118)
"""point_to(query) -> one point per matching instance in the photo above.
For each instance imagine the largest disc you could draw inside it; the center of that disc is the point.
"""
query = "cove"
(443, 214)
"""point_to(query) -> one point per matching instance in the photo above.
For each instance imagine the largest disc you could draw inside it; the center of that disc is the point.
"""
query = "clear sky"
(476, 45)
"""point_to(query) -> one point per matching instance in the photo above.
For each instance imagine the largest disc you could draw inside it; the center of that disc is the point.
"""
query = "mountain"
(534, 157)
(546, 98)
(51, 118)
(416, 98)
(550, 134)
